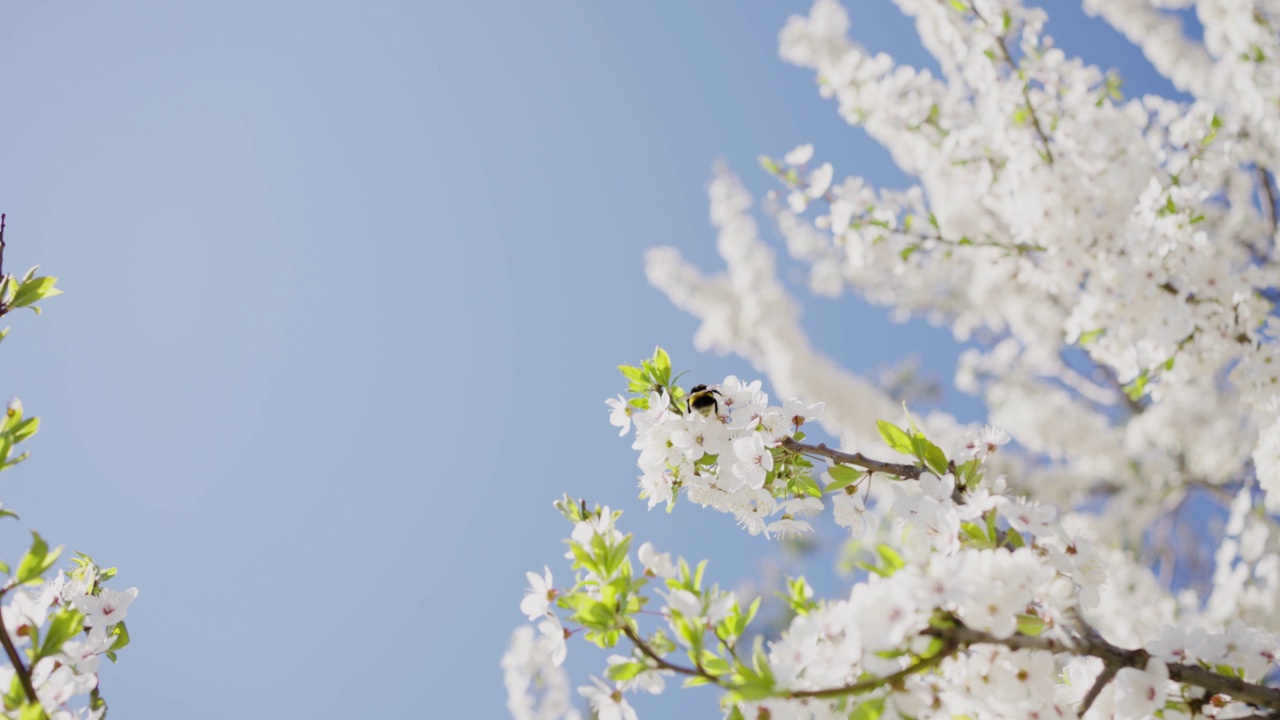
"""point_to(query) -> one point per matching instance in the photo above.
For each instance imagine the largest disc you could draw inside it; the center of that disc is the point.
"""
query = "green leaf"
(122, 636)
(625, 671)
(753, 691)
(1030, 624)
(715, 664)
(37, 560)
(25, 429)
(62, 627)
(869, 710)
(33, 291)
(895, 437)
(596, 615)
(662, 366)
(1229, 671)
(974, 532)
(584, 559)
(633, 374)
(1214, 124)
(1136, 389)
(14, 696)
(807, 485)
(31, 711)
(1089, 336)
(908, 251)
(890, 559)
(842, 476)
(929, 453)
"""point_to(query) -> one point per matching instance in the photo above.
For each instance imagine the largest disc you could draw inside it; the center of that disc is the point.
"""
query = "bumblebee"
(703, 400)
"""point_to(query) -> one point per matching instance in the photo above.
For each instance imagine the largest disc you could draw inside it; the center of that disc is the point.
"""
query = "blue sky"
(346, 284)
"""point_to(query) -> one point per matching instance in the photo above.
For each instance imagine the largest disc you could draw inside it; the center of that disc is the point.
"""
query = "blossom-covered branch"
(1109, 264)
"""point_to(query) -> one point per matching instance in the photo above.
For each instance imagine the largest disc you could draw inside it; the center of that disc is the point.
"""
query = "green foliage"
(869, 710)
(652, 375)
(37, 560)
(799, 596)
(28, 291)
(913, 442)
(842, 476)
(63, 626)
(889, 563)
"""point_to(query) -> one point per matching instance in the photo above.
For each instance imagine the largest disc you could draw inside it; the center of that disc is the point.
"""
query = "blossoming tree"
(54, 631)
(1115, 261)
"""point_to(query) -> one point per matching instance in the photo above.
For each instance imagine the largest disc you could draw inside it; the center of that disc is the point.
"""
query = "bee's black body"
(703, 400)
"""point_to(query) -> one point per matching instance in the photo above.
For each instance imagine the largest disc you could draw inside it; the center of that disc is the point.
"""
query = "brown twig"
(2, 219)
(1264, 180)
(1026, 88)
(943, 653)
(24, 675)
(1104, 677)
(1119, 658)
(906, 472)
(663, 663)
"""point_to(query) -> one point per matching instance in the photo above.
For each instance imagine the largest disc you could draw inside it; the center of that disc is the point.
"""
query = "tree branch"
(663, 663)
(904, 471)
(1104, 677)
(1026, 87)
(2, 219)
(943, 653)
(948, 648)
(1264, 180)
(24, 675)
(1119, 658)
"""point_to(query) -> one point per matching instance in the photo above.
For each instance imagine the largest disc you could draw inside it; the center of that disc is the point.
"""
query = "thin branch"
(733, 653)
(1031, 110)
(1264, 180)
(2, 218)
(1119, 658)
(24, 675)
(907, 472)
(663, 663)
(945, 652)
(1026, 88)
(1104, 677)
(1136, 406)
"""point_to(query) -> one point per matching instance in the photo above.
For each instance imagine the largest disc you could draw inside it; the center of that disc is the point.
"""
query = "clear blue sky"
(346, 284)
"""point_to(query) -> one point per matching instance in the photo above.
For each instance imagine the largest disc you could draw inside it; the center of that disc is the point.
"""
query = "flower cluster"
(725, 457)
(76, 621)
